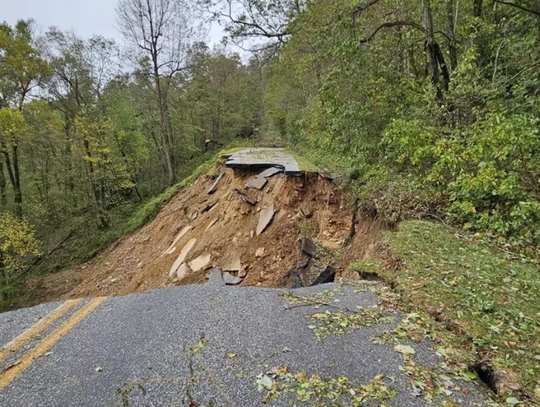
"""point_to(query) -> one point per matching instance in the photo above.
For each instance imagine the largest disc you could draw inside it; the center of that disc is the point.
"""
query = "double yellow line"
(9, 374)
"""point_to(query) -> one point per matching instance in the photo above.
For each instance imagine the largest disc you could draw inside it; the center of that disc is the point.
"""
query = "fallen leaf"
(405, 349)
(231, 355)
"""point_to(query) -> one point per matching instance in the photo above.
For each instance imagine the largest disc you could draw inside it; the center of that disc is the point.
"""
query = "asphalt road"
(193, 346)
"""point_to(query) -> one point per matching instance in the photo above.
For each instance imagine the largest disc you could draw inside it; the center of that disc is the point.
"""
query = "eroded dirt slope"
(223, 227)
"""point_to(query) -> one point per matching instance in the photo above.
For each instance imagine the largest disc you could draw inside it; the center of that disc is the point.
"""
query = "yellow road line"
(36, 329)
(43, 347)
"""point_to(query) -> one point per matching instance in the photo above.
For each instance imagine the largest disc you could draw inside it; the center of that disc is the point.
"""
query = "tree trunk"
(3, 183)
(451, 19)
(95, 190)
(435, 55)
(478, 6)
(17, 194)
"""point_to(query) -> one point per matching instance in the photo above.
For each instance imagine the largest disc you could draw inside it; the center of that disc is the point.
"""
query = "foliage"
(499, 312)
(17, 240)
(315, 390)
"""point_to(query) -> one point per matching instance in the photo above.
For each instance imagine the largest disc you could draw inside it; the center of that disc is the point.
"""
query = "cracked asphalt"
(148, 339)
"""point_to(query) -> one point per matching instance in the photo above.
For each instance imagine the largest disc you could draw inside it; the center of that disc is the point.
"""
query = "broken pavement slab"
(180, 235)
(263, 158)
(213, 188)
(214, 277)
(327, 276)
(231, 280)
(257, 183)
(180, 259)
(270, 172)
(200, 262)
(267, 215)
(307, 247)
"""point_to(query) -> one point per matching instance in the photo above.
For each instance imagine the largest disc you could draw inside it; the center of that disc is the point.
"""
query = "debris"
(200, 262)
(214, 277)
(267, 214)
(193, 215)
(307, 210)
(244, 197)
(270, 172)
(257, 183)
(213, 188)
(180, 235)
(209, 207)
(307, 247)
(329, 176)
(233, 265)
(181, 272)
(185, 251)
(243, 272)
(298, 274)
(259, 252)
(327, 276)
(231, 280)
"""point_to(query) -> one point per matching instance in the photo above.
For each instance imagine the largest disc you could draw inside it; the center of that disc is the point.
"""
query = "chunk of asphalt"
(231, 280)
(307, 247)
(267, 214)
(298, 274)
(257, 183)
(270, 172)
(213, 188)
(200, 262)
(214, 277)
(180, 259)
(244, 197)
(327, 276)
(208, 207)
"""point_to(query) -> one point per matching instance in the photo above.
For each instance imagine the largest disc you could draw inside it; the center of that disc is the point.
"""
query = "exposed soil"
(308, 205)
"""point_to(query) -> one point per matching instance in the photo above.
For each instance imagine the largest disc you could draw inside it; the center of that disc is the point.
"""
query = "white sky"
(84, 17)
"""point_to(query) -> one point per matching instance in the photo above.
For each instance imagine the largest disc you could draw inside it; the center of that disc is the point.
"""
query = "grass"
(485, 296)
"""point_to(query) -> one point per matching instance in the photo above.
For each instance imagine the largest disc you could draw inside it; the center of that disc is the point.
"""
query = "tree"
(161, 32)
(17, 240)
(21, 68)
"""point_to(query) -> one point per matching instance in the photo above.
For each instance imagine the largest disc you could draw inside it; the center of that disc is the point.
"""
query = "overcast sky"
(85, 17)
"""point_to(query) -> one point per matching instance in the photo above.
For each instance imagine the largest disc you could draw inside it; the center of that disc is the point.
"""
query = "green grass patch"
(484, 294)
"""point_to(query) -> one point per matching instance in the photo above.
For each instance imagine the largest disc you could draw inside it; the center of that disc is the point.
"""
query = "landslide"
(223, 226)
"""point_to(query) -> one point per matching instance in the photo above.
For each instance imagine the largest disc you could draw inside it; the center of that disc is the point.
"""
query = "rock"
(140, 264)
(231, 280)
(180, 259)
(267, 214)
(233, 265)
(214, 277)
(307, 247)
(259, 252)
(270, 172)
(209, 207)
(327, 276)
(243, 273)
(175, 280)
(200, 262)
(180, 235)
(307, 210)
(213, 188)
(182, 272)
(194, 215)
(257, 183)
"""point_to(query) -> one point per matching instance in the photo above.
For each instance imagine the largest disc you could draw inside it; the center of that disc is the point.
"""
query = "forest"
(428, 108)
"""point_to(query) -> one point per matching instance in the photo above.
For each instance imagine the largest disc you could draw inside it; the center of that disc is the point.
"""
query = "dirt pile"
(252, 233)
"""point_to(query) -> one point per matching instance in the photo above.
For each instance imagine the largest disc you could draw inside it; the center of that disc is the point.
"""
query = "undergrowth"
(487, 299)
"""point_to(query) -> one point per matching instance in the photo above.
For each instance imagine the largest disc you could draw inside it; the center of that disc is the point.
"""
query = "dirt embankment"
(220, 230)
